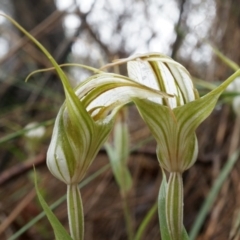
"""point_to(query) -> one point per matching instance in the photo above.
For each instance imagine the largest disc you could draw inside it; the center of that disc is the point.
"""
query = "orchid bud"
(74, 145)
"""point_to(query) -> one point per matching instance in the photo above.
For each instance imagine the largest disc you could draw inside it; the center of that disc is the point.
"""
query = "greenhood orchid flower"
(82, 126)
(164, 74)
(173, 122)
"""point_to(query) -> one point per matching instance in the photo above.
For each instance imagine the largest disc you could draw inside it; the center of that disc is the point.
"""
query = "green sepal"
(174, 129)
(176, 151)
(59, 231)
(225, 59)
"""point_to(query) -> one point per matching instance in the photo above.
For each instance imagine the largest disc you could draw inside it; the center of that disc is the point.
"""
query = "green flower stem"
(75, 212)
(127, 216)
(174, 205)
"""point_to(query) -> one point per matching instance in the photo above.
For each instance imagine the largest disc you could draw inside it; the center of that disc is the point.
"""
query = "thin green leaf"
(59, 231)
(165, 235)
(184, 234)
(213, 195)
(145, 222)
(225, 59)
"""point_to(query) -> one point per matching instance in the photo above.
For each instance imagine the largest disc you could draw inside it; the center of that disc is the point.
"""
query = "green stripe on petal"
(164, 128)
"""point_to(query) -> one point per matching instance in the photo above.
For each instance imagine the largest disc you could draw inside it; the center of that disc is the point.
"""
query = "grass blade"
(59, 231)
(162, 209)
(145, 222)
(213, 195)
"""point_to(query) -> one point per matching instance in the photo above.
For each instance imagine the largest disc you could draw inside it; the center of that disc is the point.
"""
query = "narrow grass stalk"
(127, 216)
(22, 131)
(75, 212)
(145, 222)
(162, 208)
(174, 205)
(213, 195)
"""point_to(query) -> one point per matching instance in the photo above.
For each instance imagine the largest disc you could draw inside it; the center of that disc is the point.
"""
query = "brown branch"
(43, 27)
(17, 210)
(180, 34)
(93, 34)
(21, 168)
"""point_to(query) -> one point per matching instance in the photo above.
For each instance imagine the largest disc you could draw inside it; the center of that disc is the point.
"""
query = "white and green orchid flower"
(173, 122)
(176, 146)
(163, 73)
(81, 128)
(82, 125)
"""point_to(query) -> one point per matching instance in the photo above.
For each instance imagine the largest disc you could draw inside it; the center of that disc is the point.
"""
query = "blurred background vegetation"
(93, 33)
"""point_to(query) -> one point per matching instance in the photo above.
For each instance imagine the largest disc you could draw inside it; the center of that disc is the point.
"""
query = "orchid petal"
(163, 73)
(104, 93)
